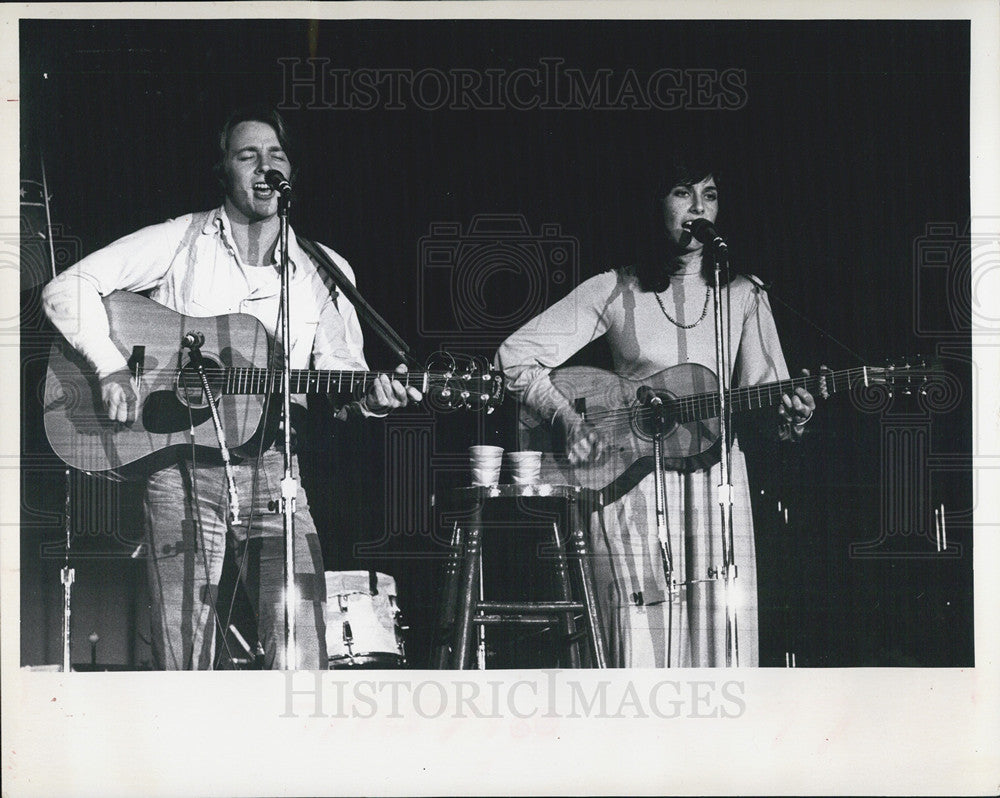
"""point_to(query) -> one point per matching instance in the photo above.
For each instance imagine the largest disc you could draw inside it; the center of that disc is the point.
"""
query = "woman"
(656, 315)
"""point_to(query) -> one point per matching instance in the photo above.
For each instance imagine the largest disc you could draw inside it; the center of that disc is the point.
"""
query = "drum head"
(371, 661)
(362, 621)
(340, 582)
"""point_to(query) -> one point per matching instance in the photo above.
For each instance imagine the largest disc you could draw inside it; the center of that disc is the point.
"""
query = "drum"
(363, 621)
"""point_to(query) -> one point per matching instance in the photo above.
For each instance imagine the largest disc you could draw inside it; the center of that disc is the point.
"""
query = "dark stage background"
(845, 186)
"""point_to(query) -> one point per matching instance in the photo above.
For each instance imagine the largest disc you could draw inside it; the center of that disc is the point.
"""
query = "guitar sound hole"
(646, 420)
(189, 389)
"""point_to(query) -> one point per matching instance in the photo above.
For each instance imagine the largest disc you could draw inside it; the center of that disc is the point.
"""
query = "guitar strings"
(708, 402)
(259, 373)
(239, 380)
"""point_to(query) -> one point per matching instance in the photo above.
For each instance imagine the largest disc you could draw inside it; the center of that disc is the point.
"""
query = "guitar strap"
(365, 311)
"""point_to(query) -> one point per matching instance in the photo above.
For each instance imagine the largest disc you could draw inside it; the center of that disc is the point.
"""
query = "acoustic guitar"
(237, 360)
(687, 406)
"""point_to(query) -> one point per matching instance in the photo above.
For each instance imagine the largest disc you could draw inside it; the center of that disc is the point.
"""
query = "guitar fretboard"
(262, 380)
(706, 405)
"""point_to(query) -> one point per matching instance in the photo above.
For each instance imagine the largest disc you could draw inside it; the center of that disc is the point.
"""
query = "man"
(207, 264)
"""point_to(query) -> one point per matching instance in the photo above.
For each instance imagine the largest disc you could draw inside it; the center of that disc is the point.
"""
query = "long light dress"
(629, 577)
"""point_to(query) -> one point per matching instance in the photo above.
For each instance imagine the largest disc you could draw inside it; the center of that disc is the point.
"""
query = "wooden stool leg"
(446, 618)
(467, 598)
(567, 626)
(581, 557)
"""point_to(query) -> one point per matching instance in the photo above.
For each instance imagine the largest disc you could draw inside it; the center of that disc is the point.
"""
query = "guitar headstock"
(907, 376)
(461, 382)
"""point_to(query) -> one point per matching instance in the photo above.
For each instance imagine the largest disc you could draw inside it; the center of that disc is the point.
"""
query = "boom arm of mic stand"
(365, 311)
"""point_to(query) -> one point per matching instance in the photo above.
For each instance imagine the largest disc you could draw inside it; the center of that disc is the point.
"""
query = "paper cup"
(485, 451)
(485, 462)
(525, 467)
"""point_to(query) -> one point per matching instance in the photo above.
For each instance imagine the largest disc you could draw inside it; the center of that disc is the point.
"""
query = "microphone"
(647, 396)
(705, 232)
(193, 340)
(278, 182)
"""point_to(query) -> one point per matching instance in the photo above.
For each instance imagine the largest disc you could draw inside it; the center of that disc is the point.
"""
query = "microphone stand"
(67, 575)
(653, 404)
(289, 484)
(722, 356)
(662, 531)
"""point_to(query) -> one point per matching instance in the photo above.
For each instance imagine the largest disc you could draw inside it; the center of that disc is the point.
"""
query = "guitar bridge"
(137, 362)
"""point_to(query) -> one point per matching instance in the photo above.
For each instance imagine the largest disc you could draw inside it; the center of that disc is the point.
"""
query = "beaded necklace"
(704, 311)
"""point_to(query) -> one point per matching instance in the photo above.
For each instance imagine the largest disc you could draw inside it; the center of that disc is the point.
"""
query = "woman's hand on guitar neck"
(796, 409)
(584, 444)
(120, 396)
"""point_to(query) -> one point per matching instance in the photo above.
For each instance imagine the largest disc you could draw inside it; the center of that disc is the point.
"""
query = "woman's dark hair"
(253, 113)
(658, 257)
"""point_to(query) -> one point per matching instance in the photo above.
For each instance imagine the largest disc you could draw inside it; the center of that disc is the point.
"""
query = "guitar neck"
(263, 380)
(706, 405)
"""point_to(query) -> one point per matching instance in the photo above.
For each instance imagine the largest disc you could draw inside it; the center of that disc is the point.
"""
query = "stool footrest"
(515, 620)
(529, 606)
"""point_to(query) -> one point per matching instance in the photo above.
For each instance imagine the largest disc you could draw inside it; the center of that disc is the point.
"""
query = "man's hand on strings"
(387, 393)
(120, 396)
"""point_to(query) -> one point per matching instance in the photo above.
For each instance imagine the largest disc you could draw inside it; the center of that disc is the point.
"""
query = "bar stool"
(462, 608)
